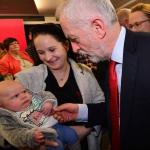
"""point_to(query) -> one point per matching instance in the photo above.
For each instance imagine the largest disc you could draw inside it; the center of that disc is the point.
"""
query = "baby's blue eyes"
(25, 91)
(16, 95)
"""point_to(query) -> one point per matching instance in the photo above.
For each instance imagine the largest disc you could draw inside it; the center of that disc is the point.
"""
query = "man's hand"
(66, 112)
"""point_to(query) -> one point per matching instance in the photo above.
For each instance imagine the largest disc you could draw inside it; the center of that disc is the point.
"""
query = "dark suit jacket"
(135, 94)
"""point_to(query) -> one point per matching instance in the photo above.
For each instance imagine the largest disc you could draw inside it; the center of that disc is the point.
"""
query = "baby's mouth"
(26, 103)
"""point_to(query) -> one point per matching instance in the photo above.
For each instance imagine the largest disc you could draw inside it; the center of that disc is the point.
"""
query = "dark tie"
(114, 106)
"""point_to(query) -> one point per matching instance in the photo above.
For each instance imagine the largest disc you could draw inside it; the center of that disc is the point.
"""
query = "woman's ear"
(0, 105)
(99, 28)
(66, 45)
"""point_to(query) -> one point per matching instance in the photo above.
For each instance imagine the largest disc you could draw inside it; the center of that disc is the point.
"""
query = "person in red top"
(15, 60)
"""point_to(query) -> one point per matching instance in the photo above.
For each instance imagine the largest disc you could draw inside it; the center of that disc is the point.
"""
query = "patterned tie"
(114, 106)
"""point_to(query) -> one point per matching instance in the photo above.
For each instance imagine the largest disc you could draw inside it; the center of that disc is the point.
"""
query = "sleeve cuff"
(82, 113)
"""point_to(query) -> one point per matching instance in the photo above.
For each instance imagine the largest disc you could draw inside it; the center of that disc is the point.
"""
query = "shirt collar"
(117, 54)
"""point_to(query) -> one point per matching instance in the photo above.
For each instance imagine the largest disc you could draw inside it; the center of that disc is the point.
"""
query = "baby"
(26, 120)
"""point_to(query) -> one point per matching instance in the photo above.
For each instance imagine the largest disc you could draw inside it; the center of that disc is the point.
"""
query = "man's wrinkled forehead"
(66, 24)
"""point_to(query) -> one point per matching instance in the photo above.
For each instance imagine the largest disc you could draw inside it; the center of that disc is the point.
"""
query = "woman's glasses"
(14, 43)
(137, 24)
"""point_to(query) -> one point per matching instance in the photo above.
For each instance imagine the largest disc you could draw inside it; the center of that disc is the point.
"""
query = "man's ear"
(99, 28)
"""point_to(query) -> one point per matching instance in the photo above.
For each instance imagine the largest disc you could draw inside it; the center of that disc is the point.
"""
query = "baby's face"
(16, 98)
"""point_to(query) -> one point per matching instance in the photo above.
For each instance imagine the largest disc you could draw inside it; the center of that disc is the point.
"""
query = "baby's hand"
(39, 137)
(47, 108)
(51, 143)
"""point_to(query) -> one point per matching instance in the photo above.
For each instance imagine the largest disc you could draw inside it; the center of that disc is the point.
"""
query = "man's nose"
(75, 47)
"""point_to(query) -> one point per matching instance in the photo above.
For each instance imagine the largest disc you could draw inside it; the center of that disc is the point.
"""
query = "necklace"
(61, 79)
(62, 76)
(65, 74)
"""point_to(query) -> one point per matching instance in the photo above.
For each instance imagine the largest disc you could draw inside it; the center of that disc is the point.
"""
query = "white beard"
(94, 59)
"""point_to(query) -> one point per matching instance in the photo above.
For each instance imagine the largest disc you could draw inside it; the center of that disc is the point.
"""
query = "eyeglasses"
(137, 24)
(14, 43)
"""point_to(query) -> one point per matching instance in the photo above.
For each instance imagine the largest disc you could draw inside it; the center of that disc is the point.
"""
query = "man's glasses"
(137, 24)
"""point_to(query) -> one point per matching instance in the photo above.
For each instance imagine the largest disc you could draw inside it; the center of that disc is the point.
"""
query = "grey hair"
(82, 10)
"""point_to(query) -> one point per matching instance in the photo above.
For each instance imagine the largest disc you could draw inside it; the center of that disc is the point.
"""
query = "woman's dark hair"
(51, 29)
(54, 30)
(7, 42)
(1, 46)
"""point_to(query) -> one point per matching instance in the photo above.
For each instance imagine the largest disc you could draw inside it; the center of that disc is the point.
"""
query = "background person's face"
(51, 52)
(16, 98)
(138, 22)
(14, 47)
